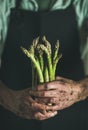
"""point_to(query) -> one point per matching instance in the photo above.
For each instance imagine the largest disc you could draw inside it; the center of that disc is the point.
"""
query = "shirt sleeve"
(5, 7)
(1, 31)
(81, 7)
(84, 47)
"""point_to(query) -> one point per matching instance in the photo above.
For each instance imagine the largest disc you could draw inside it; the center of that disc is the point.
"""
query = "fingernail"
(54, 114)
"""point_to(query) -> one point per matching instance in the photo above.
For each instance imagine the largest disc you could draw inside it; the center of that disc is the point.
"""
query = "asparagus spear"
(35, 63)
(56, 57)
(45, 70)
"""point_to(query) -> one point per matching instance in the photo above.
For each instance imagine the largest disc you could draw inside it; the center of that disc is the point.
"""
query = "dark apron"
(24, 26)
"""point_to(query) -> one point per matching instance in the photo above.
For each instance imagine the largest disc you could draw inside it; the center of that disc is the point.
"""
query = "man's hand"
(61, 93)
(23, 105)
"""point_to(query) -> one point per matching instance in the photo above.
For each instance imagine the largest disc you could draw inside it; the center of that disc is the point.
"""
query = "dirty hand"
(58, 94)
(23, 105)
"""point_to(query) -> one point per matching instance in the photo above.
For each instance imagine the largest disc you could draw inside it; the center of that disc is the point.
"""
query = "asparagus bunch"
(44, 69)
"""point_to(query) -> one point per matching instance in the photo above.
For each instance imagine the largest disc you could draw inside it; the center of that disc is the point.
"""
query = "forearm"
(5, 96)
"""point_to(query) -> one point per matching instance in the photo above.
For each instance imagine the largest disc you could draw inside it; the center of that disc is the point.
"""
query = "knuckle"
(53, 100)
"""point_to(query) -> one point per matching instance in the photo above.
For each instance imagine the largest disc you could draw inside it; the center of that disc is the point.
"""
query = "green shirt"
(80, 6)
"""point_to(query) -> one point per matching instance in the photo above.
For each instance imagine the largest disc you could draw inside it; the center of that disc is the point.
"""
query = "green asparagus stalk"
(35, 62)
(45, 70)
(46, 74)
(56, 57)
(41, 59)
(56, 50)
(48, 52)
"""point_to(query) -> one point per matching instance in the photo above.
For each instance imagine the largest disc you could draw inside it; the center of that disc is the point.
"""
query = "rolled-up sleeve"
(1, 37)
(84, 46)
(5, 8)
(84, 28)
(81, 7)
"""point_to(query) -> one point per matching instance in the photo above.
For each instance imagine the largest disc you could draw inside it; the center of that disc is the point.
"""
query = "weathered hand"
(25, 106)
(61, 93)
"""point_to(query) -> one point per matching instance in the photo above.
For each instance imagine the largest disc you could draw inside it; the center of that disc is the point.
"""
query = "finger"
(60, 106)
(43, 108)
(50, 93)
(61, 85)
(34, 106)
(63, 80)
(46, 86)
(55, 107)
(40, 116)
(61, 91)
(48, 101)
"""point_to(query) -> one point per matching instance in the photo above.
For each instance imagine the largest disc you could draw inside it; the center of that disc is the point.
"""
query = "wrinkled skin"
(44, 102)
(60, 93)
(26, 107)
